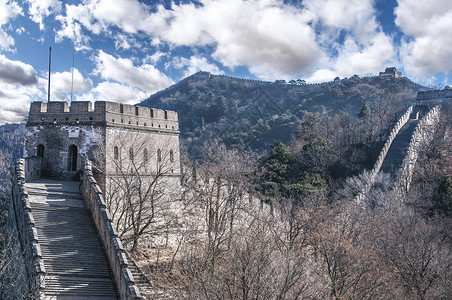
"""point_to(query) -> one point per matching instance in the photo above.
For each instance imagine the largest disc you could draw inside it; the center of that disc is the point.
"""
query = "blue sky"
(126, 50)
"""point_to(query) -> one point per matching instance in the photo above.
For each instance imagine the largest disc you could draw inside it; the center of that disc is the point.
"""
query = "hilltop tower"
(119, 138)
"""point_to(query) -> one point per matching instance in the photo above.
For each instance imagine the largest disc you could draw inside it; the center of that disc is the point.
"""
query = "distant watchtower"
(114, 135)
(390, 72)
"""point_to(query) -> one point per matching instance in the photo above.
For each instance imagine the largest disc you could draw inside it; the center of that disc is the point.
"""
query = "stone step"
(65, 285)
(76, 266)
(399, 147)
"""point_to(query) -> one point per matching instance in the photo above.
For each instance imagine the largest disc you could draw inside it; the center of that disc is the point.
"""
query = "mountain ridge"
(252, 113)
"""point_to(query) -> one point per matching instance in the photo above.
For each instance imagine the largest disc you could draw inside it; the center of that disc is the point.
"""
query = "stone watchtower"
(119, 137)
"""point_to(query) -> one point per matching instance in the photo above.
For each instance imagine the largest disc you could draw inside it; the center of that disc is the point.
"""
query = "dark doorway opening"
(40, 150)
(72, 161)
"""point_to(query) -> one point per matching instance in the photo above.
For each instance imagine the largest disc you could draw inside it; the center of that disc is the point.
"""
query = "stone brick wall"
(146, 147)
(23, 221)
(56, 127)
(434, 95)
(423, 135)
(384, 151)
(56, 140)
(33, 168)
(81, 112)
(112, 244)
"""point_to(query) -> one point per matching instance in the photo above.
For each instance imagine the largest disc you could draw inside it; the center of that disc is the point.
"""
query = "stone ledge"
(112, 244)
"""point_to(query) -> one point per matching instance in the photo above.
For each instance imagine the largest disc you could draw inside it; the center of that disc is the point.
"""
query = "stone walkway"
(76, 267)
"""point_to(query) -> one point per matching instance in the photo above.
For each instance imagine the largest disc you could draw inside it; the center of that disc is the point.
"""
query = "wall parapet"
(82, 112)
(113, 247)
(384, 151)
(33, 168)
(422, 135)
(434, 95)
(27, 233)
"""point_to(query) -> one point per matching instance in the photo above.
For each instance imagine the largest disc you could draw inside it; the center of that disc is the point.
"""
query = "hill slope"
(254, 113)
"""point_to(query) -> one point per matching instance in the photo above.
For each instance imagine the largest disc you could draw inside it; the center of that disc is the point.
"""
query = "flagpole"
(50, 62)
(72, 82)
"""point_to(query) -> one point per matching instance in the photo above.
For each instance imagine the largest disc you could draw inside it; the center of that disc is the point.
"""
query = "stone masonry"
(60, 135)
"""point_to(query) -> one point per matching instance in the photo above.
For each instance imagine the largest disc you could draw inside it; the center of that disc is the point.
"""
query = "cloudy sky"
(126, 50)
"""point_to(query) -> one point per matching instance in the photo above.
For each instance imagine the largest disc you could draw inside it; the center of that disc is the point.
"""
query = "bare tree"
(13, 281)
(346, 263)
(246, 253)
(141, 179)
(417, 254)
(224, 185)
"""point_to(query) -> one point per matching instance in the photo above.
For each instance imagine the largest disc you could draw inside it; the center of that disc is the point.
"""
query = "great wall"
(399, 154)
(59, 223)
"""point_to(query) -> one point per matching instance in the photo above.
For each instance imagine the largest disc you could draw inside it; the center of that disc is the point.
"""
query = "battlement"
(434, 95)
(104, 112)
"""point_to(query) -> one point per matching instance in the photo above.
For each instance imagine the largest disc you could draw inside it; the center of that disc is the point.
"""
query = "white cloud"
(356, 16)
(40, 9)
(12, 71)
(154, 58)
(61, 83)
(322, 75)
(117, 92)
(427, 49)
(145, 77)
(195, 64)
(20, 30)
(350, 34)
(365, 60)
(15, 101)
(355, 59)
(73, 30)
(271, 38)
(8, 11)
(5, 40)
(98, 17)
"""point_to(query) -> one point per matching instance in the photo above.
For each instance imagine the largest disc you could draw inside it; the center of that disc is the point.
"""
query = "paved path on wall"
(399, 147)
(76, 267)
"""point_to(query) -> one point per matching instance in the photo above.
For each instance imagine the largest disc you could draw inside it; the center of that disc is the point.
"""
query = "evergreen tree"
(365, 112)
(312, 150)
(443, 196)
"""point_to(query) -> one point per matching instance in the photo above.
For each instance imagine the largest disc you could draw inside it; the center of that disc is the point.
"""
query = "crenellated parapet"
(436, 96)
(60, 133)
(21, 224)
(114, 250)
(103, 112)
(420, 122)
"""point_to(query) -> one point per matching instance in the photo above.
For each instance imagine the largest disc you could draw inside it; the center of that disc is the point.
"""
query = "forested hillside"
(255, 113)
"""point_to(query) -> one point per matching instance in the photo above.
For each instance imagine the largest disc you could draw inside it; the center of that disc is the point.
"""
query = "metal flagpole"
(72, 83)
(50, 61)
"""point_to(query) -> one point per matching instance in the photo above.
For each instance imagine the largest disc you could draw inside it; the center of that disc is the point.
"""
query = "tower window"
(131, 154)
(116, 152)
(159, 155)
(145, 155)
(171, 156)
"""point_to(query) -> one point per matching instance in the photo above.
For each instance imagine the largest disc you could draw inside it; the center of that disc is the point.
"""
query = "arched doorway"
(40, 150)
(72, 159)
